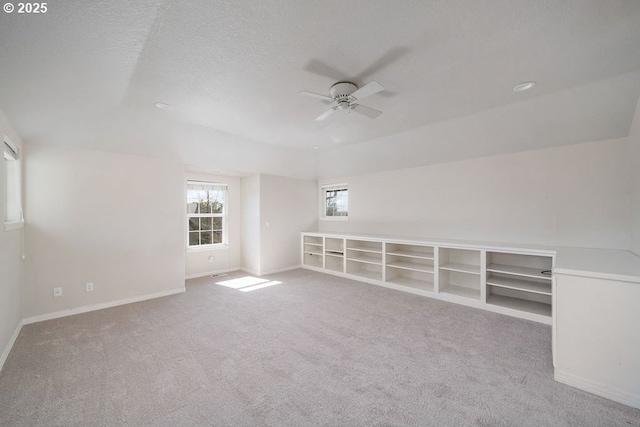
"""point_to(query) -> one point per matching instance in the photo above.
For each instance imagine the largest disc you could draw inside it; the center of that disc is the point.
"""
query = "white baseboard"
(249, 271)
(9, 346)
(266, 273)
(599, 389)
(85, 309)
(281, 270)
(210, 273)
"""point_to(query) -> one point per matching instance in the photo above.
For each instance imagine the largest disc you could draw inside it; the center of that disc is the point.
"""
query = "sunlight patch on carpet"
(248, 283)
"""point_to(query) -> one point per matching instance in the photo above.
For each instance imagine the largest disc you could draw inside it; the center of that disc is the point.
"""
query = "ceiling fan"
(346, 97)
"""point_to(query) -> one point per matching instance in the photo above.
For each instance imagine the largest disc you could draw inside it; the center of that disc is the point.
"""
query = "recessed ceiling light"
(524, 86)
(315, 147)
(162, 105)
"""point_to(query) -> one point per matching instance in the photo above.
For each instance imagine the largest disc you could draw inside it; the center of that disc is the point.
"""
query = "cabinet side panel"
(597, 330)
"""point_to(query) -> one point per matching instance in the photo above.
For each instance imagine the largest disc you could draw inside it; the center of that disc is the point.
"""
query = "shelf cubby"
(459, 272)
(520, 281)
(460, 284)
(410, 265)
(312, 248)
(334, 246)
(519, 302)
(312, 259)
(367, 270)
(364, 251)
(411, 278)
(334, 254)
(460, 260)
(312, 245)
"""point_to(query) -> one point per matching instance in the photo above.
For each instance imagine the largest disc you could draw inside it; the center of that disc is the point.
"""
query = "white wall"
(11, 266)
(634, 167)
(112, 219)
(197, 261)
(250, 190)
(288, 206)
(575, 196)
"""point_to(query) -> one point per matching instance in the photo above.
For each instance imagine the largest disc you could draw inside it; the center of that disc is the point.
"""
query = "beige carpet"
(311, 350)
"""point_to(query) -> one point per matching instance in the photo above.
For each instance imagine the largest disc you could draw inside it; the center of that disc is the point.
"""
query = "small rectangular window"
(206, 214)
(12, 189)
(335, 201)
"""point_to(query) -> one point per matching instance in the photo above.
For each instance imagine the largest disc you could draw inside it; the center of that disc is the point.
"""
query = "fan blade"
(316, 95)
(326, 114)
(384, 61)
(366, 111)
(367, 90)
(316, 67)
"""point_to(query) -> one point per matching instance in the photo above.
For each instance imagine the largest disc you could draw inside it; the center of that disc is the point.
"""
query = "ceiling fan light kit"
(346, 95)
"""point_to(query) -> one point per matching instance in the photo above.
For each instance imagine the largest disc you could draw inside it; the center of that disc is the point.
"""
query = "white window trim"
(8, 226)
(323, 210)
(225, 215)
(206, 248)
(12, 153)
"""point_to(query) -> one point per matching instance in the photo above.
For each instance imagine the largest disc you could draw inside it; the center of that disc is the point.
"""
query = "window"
(335, 201)
(206, 214)
(12, 198)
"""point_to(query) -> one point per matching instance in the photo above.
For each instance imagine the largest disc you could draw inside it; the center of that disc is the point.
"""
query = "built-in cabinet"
(512, 281)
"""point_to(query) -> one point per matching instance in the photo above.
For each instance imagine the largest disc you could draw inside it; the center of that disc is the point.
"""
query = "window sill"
(8, 226)
(334, 218)
(207, 248)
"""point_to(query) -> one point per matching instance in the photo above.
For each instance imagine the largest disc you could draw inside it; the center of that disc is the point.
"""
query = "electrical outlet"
(89, 287)
(57, 292)
(210, 258)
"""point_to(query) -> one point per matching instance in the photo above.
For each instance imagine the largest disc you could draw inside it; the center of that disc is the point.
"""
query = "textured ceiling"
(88, 73)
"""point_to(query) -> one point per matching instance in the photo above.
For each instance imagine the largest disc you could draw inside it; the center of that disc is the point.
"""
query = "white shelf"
(313, 244)
(313, 253)
(520, 304)
(461, 268)
(521, 285)
(367, 250)
(366, 260)
(461, 291)
(411, 254)
(515, 270)
(412, 283)
(413, 266)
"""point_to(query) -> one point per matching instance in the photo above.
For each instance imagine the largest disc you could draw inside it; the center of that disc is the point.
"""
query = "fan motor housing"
(342, 90)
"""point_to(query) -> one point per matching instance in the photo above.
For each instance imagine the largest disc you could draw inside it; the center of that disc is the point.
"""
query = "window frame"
(12, 216)
(323, 201)
(223, 215)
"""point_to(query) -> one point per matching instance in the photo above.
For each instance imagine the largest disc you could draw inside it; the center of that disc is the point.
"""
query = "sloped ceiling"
(88, 74)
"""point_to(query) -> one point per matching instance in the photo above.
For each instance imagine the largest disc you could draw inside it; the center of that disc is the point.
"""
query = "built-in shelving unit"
(460, 272)
(520, 282)
(410, 265)
(513, 281)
